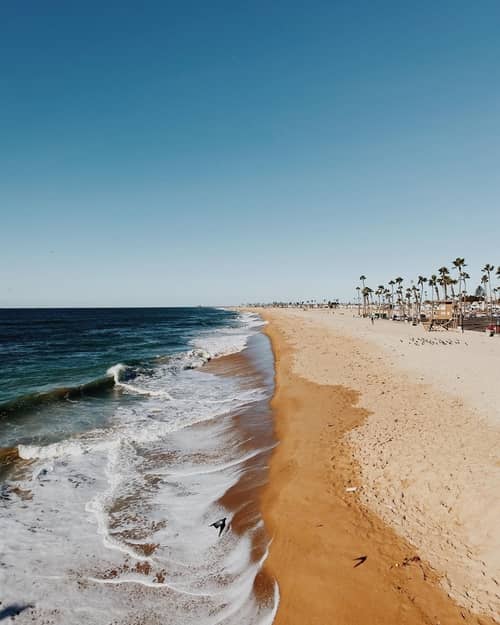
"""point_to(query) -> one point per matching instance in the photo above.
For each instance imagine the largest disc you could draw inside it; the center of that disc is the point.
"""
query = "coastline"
(135, 501)
(319, 528)
(253, 425)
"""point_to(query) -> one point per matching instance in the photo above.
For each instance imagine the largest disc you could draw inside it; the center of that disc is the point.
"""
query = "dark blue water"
(54, 363)
(44, 349)
(117, 448)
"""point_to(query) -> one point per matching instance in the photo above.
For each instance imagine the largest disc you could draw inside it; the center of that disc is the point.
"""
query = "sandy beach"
(383, 498)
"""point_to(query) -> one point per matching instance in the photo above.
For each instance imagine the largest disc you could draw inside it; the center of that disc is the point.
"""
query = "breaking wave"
(124, 509)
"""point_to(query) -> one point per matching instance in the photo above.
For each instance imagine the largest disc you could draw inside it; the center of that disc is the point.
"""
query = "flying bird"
(219, 525)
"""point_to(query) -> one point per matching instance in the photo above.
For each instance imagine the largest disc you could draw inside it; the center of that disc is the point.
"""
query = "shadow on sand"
(13, 610)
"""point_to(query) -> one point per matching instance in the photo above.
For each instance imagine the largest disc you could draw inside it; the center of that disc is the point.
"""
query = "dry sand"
(411, 419)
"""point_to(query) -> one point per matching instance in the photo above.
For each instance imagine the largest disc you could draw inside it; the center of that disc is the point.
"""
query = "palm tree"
(366, 299)
(433, 283)
(421, 281)
(440, 281)
(391, 284)
(484, 282)
(408, 299)
(387, 295)
(487, 269)
(416, 299)
(465, 277)
(365, 295)
(362, 279)
(399, 291)
(379, 292)
(452, 282)
(459, 264)
(370, 296)
(443, 281)
(358, 289)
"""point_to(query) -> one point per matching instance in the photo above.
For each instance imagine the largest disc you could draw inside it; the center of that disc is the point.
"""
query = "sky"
(167, 154)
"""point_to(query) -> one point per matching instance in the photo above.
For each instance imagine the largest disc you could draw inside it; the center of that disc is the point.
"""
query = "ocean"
(124, 435)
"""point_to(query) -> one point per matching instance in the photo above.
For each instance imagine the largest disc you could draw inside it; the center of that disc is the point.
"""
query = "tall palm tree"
(370, 296)
(465, 277)
(358, 289)
(391, 284)
(387, 295)
(452, 282)
(416, 299)
(433, 283)
(484, 282)
(362, 279)
(366, 299)
(365, 295)
(399, 291)
(408, 299)
(443, 281)
(379, 292)
(487, 269)
(400, 301)
(459, 264)
(421, 281)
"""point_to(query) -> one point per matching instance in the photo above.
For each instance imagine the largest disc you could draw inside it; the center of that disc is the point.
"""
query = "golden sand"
(336, 560)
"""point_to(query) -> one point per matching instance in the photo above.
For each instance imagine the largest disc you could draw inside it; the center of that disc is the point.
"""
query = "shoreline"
(139, 536)
(319, 528)
(254, 367)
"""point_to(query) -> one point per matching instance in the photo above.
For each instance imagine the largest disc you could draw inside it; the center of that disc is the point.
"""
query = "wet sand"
(319, 528)
(254, 425)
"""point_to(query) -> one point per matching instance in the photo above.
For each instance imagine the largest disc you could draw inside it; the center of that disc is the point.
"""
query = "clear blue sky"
(158, 153)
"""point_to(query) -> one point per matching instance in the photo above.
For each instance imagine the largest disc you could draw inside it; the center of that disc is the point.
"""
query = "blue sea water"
(49, 356)
(41, 349)
(118, 446)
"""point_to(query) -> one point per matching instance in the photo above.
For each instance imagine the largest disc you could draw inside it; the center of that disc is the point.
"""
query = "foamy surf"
(114, 522)
(226, 341)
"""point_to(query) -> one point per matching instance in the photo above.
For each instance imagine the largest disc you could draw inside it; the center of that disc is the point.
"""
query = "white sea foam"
(115, 371)
(143, 391)
(229, 340)
(72, 447)
(117, 523)
(214, 469)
